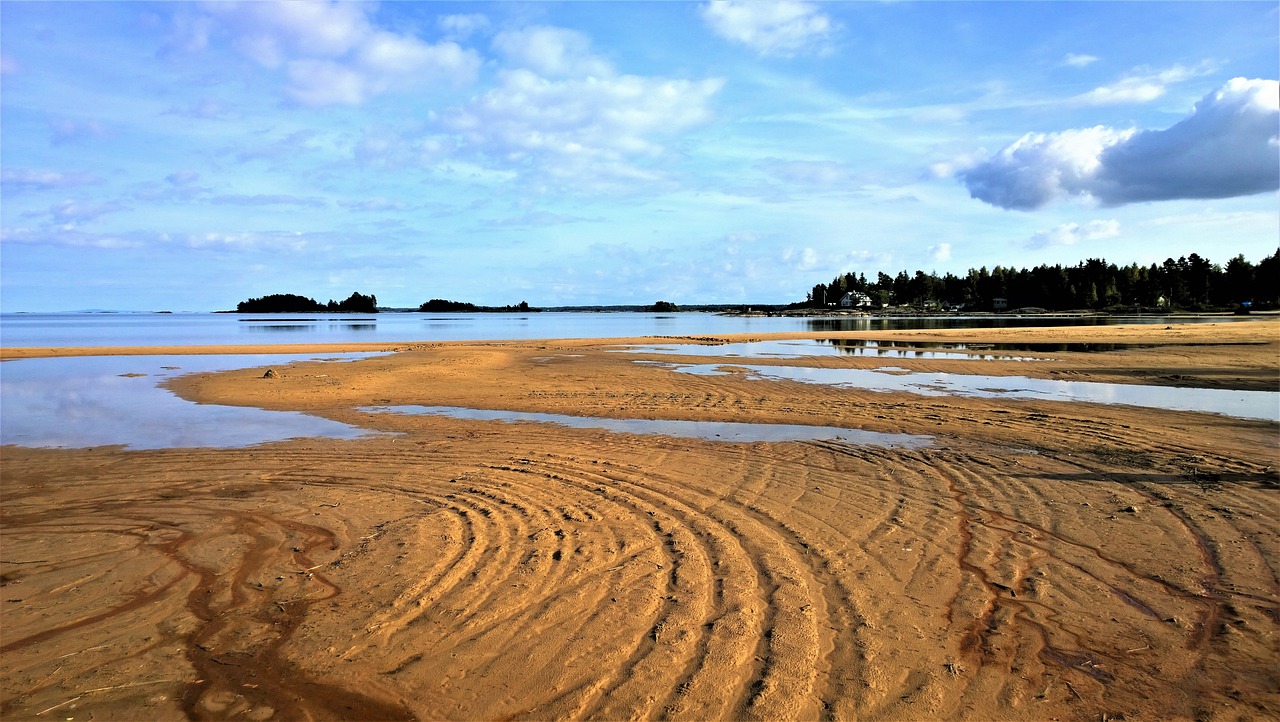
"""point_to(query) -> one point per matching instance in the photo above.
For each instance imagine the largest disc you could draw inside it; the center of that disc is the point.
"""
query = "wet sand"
(1037, 560)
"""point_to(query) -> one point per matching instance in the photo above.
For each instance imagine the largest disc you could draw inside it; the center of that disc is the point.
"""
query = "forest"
(1190, 283)
(291, 303)
(440, 305)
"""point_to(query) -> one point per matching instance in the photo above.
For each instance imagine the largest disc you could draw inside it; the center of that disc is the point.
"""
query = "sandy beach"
(1028, 559)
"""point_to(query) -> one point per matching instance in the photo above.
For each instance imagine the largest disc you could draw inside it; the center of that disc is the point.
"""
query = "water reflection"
(708, 430)
(152, 329)
(78, 402)
(308, 325)
(277, 327)
(1038, 347)
(1264, 405)
(809, 347)
(901, 323)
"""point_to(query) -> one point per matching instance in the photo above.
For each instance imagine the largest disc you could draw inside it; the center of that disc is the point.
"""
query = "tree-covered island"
(292, 303)
(440, 305)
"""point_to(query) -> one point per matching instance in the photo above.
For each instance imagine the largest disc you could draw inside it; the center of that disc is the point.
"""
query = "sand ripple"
(1037, 561)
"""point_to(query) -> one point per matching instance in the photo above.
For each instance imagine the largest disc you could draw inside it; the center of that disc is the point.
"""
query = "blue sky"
(186, 156)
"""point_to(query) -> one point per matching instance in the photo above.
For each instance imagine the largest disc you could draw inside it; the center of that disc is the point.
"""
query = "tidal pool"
(799, 348)
(77, 402)
(1264, 405)
(708, 430)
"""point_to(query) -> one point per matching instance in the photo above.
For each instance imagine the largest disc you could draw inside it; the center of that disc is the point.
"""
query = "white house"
(855, 299)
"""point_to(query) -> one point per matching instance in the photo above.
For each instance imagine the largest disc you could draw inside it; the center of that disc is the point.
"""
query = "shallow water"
(707, 430)
(203, 329)
(1264, 405)
(78, 402)
(800, 348)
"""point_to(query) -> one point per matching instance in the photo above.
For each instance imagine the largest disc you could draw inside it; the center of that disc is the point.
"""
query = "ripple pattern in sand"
(471, 572)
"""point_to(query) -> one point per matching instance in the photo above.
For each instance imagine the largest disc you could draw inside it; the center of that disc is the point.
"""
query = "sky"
(186, 156)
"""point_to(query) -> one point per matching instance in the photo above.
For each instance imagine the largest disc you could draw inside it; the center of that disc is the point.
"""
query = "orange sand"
(1039, 560)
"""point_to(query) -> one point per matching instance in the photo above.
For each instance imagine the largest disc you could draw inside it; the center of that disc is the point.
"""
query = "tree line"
(1191, 283)
(292, 303)
(440, 305)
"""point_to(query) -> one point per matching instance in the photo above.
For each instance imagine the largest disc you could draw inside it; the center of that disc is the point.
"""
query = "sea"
(98, 400)
(20, 330)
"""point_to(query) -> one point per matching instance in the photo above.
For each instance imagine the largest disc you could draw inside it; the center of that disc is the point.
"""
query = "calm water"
(801, 348)
(84, 401)
(1264, 405)
(101, 400)
(205, 329)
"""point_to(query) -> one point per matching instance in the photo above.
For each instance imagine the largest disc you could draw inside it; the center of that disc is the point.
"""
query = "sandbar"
(1037, 559)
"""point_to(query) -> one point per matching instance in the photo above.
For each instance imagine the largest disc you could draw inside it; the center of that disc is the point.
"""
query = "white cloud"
(940, 252)
(74, 212)
(246, 240)
(14, 179)
(1138, 88)
(461, 27)
(267, 199)
(551, 51)
(182, 178)
(66, 236)
(270, 32)
(331, 54)
(810, 259)
(1040, 167)
(813, 174)
(580, 126)
(377, 204)
(65, 130)
(776, 27)
(1226, 147)
(1069, 234)
(1079, 60)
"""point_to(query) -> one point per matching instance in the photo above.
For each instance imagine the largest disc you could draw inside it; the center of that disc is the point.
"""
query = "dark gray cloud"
(1228, 146)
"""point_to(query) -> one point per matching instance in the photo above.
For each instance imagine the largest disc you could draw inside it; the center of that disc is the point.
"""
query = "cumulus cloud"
(1226, 147)
(940, 252)
(550, 51)
(779, 27)
(461, 27)
(332, 54)
(566, 113)
(1068, 234)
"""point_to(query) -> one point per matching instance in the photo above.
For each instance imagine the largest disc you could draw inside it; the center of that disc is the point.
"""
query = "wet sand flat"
(1036, 559)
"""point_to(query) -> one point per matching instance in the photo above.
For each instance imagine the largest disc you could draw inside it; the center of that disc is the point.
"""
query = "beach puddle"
(1264, 405)
(707, 430)
(833, 347)
(924, 350)
(78, 402)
